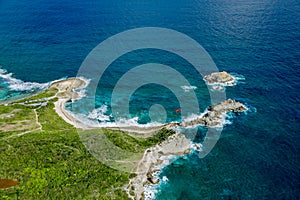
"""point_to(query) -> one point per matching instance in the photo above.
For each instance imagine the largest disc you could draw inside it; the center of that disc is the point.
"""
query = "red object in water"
(178, 110)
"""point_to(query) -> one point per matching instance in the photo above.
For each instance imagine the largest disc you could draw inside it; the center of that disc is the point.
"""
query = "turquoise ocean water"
(257, 156)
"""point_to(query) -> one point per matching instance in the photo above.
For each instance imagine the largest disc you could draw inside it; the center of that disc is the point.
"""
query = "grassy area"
(15, 119)
(42, 95)
(53, 163)
(129, 143)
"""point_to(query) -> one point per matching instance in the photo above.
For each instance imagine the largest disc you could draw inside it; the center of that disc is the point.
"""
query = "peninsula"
(53, 156)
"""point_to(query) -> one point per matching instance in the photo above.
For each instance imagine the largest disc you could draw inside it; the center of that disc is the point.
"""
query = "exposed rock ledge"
(175, 145)
(215, 115)
(220, 78)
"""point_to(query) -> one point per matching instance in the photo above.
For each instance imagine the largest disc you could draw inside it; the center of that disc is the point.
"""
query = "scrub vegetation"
(46, 154)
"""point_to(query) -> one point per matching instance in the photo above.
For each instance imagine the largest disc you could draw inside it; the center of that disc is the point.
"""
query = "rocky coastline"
(151, 162)
(215, 115)
(176, 145)
(155, 157)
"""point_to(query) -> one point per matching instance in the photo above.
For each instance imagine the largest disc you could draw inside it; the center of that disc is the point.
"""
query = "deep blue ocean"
(257, 156)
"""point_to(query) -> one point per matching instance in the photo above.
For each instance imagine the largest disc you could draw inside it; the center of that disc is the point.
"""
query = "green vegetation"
(42, 95)
(129, 143)
(52, 162)
(16, 118)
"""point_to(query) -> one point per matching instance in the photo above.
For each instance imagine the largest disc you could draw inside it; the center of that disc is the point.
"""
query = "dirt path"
(37, 119)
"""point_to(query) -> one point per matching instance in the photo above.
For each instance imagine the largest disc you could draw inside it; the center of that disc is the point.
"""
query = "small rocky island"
(220, 78)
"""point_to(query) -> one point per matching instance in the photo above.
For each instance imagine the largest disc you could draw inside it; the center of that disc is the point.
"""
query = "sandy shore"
(67, 92)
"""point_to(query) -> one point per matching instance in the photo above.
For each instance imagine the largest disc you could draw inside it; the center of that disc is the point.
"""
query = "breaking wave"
(100, 118)
(100, 114)
(19, 85)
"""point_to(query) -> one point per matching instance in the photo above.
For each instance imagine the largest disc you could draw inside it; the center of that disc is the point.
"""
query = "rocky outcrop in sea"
(220, 78)
(215, 115)
(155, 158)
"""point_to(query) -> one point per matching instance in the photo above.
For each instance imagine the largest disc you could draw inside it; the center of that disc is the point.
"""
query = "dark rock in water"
(209, 108)
(149, 180)
(152, 181)
(198, 148)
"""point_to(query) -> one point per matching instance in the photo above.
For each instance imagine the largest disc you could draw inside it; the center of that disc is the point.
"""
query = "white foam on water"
(83, 119)
(192, 117)
(81, 94)
(165, 179)
(132, 122)
(99, 114)
(151, 190)
(19, 85)
(238, 77)
(98, 118)
(196, 147)
(188, 88)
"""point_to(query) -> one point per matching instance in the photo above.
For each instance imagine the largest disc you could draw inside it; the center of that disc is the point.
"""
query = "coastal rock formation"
(178, 145)
(215, 115)
(159, 155)
(153, 158)
(219, 78)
